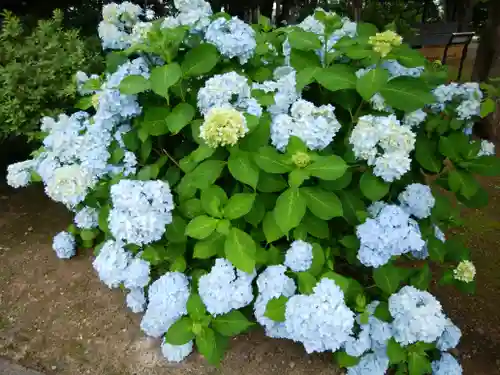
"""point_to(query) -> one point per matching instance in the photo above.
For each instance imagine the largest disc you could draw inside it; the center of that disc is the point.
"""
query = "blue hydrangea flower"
(233, 38)
(450, 337)
(141, 210)
(111, 263)
(388, 234)
(136, 300)
(272, 283)
(487, 148)
(371, 364)
(64, 245)
(167, 303)
(418, 316)
(321, 321)
(86, 218)
(176, 353)
(446, 365)
(137, 274)
(417, 200)
(224, 288)
(19, 174)
(415, 118)
(299, 256)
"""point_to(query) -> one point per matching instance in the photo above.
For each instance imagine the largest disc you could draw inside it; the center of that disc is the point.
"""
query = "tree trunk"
(266, 8)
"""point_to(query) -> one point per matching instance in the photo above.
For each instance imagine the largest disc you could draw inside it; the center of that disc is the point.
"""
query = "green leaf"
(205, 174)
(180, 116)
(243, 168)
(238, 205)
(484, 165)
(345, 360)
(256, 214)
(84, 103)
(318, 260)
(418, 364)
(103, 218)
(464, 182)
(275, 309)
(338, 184)
(323, 204)
(387, 278)
(350, 242)
(87, 234)
(272, 231)
(327, 167)
(373, 187)
(271, 183)
(180, 332)
(164, 77)
(199, 60)
(487, 107)
(382, 312)
(305, 77)
(201, 227)
(437, 249)
(422, 278)
(231, 324)
(372, 82)
(271, 161)
(407, 94)
(306, 282)
(365, 30)
(304, 40)
(395, 352)
(297, 177)
(315, 226)
(337, 77)
(351, 205)
(155, 120)
(206, 344)
(290, 209)
(450, 148)
(195, 307)
(176, 230)
(240, 250)
(208, 247)
(303, 59)
(426, 154)
(134, 84)
(212, 200)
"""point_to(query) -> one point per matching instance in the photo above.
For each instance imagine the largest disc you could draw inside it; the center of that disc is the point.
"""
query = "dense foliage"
(217, 182)
(37, 68)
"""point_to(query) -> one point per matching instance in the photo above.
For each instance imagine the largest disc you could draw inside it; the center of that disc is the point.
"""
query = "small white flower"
(465, 271)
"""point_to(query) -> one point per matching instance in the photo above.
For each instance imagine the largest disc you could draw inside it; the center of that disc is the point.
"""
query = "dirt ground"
(56, 316)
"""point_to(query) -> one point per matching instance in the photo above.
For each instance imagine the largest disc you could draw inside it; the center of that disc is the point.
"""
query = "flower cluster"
(194, 14)
(299, 256)
(225, 288)
(417, 200)
(389, 233)
(118, 20)
(86, 218)
(487, 148)
(446, 365)
(465, 97)
(64, 245)
(223, 127)
(316, 126)
(19, 174)
(465, 271)
(385, 41)
(141, 210)
(374, 134)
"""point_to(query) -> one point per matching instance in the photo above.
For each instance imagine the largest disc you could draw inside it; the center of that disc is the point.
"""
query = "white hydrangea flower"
(64, 245)
(70, 184)
(418, 316)
(233, 38)
(136, 275)
(118, 20)
(167, 303)
(417, 200)
(299, 256)
(415, 118)
(136, 300)
(284, 87)
(446, 365)
(272, 283)
(19, 174)
(450, 337)
(141, 210)
(111, 263)
(468, 95)
(316, 126)
(86, 218)
(465, 271)
(390, 233)
(371, 364)
(487, 148)
(176, 353)
(321, 321)
(223, 127)
(392, 165)
(225, 288)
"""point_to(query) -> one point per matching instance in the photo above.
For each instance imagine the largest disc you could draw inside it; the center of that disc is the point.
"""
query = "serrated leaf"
(212, 200)
(351, 205)
(275, 309)
(487, 107)
(395, 352)
(306, 282)
(208, 247)
(134, 84)
(327, 167)
(388, 278)
(240, 250)
(206, 344)
(231, 324)
(200, 60)
(426, 154)
(180, 332)
(290, 209)
(418, 364)
(373, 187)
(272, 231)
(305, 77)
(315, 226)
(176, 230)
(271, 161)
(372, 82)
(205, 174)
(238, 205)
(180, 116)
(323, 204)
(201, 227)
(407, 94)
(422, 278)
(337, 77)
(195, 307)
(155, 120)
(304, 40)
(164, 77)
(243, 168)
(271, 183)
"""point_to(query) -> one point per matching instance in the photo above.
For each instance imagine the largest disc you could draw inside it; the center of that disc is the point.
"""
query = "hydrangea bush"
(227, 175)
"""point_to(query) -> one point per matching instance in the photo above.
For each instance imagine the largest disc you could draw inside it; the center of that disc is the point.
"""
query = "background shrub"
(36, 71)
